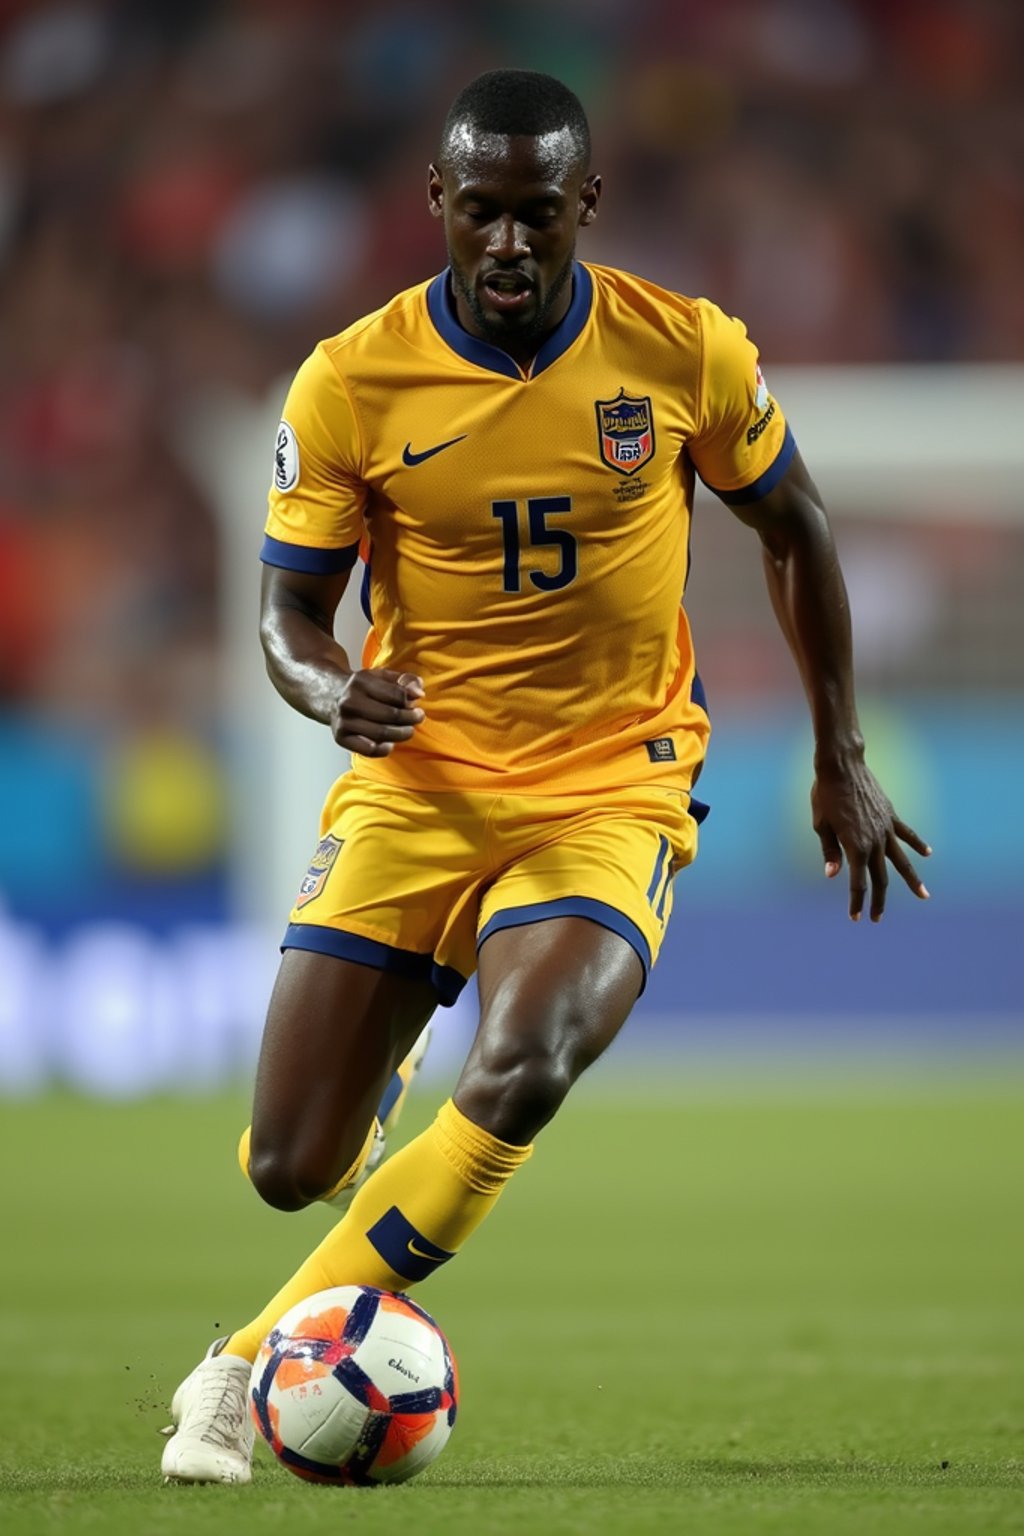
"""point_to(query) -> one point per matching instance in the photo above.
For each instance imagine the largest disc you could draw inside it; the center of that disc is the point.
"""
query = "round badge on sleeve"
(286, 459)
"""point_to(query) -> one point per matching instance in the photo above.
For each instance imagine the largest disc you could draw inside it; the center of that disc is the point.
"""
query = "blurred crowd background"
(193, 193)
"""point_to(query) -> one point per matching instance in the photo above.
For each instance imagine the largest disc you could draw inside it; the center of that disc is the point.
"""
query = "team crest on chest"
(315, 878)
(625, 430)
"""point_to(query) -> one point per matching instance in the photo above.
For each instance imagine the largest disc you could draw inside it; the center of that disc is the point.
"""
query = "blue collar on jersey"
(441, 307)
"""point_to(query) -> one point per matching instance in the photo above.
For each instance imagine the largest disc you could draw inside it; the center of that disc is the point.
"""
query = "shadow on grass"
(651, 1472)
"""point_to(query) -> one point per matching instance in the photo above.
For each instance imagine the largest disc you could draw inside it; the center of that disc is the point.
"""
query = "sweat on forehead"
(467, 149)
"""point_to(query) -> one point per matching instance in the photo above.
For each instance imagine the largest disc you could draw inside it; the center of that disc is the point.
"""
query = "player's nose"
(508, 240)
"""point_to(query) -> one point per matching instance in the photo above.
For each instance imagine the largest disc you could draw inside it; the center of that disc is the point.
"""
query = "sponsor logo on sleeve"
(286, 459)
(754, 432)
(760, 389)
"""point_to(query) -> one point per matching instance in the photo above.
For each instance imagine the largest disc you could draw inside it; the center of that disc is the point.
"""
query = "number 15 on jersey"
(539, 532)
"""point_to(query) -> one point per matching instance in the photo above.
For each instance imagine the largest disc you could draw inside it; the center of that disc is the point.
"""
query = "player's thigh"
(567, 934)
(335, 1032)
(611, 859)
(553, 996)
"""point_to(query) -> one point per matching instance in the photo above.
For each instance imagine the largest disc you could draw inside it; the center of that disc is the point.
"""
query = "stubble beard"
(525, 333)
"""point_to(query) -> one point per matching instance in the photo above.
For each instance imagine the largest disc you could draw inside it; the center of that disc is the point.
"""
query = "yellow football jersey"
(527, 533)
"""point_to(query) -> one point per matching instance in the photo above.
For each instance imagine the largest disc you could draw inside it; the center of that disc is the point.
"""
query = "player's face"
(511, 208)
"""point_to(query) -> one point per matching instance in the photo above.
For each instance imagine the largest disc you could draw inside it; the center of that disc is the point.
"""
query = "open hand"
(853, 816)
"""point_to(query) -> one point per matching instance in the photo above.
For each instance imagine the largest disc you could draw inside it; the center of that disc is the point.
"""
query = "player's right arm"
(367, 709)
(313, 530)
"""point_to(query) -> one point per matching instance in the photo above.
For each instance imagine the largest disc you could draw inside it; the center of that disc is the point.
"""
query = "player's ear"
(435, 191)
(590, 196)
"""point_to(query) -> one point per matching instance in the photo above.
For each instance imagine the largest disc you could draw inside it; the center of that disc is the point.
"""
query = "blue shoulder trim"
(765, 482)
(314, 562)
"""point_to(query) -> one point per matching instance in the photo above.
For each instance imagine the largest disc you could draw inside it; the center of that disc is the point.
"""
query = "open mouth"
(508, 292)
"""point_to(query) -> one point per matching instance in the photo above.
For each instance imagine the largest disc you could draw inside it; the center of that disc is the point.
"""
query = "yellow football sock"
(410, 1217)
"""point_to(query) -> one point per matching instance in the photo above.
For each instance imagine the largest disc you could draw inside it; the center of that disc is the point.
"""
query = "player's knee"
(274, 1181)
(283, 1180)
(290, 1176)
(513, 1088)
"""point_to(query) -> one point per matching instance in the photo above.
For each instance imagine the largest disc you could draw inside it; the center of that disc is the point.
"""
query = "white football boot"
(211, 1437)
(341, 1199)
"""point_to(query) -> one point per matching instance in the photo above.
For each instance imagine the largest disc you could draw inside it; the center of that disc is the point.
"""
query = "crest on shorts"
(315, 878)
(625, 429)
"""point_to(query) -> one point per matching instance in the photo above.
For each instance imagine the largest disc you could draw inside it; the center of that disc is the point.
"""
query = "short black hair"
(519, 101)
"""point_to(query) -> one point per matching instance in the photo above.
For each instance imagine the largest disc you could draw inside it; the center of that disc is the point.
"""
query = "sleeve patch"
(286, 459)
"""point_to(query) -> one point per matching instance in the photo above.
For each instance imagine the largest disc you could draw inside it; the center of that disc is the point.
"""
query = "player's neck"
(523, 353)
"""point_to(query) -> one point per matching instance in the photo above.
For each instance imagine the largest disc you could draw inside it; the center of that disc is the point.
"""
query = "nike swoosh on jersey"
(410, 458)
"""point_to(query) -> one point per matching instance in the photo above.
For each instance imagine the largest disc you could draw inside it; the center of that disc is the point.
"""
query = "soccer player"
(513, 446)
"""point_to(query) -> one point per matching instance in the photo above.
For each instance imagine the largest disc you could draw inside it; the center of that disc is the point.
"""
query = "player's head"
(512, 182)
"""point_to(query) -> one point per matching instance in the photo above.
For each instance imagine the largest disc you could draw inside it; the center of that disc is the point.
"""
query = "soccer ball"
(355, 1385)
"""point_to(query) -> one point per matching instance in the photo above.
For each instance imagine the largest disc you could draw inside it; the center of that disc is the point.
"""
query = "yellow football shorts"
(414, 883)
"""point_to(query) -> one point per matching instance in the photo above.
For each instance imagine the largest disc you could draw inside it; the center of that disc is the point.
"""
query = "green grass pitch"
(709, 1311)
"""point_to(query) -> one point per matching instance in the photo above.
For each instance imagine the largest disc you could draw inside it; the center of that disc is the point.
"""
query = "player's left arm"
(852, 814)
